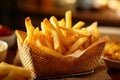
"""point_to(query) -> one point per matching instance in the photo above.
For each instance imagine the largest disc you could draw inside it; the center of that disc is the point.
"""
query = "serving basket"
(45, 65)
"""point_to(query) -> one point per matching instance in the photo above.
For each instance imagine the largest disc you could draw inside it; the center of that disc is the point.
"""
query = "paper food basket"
(45, 65)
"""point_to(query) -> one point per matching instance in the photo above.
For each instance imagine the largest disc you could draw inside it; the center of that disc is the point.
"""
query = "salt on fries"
(59, 37)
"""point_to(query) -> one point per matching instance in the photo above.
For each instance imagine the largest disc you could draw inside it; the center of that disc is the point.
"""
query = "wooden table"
(113, 73)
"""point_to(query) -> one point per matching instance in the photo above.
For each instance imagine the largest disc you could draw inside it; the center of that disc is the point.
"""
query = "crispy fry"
(12, 72)
(56, 40)
(93, 30)
(48, 24)
(54, 21)
(82, 31)
(78, 25)
(62, 22)
(36, 37)
(30, 30)
(76, 45)
(47, 35)
(112, 50)
(70, 39)
(87, 43)
(41, 38)
(50, 51)
(68, 18)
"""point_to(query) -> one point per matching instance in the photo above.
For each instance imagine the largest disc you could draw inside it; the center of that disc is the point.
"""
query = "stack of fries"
(112, 50)
(59, 47)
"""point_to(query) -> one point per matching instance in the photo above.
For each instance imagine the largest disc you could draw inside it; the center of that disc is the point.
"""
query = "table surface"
(11, 55)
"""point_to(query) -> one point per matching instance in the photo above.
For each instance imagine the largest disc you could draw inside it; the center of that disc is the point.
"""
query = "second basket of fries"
(57, 48)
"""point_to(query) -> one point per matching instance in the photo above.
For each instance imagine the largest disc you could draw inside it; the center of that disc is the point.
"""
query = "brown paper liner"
(45, 65)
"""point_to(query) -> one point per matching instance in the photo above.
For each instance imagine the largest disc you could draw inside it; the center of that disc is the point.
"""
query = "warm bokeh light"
(70, 1)
(114, 4)
(66, 1)
(100, 3)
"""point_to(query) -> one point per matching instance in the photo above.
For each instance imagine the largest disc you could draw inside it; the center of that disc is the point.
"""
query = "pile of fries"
(112, 50)
(64, 47)
(59, 37)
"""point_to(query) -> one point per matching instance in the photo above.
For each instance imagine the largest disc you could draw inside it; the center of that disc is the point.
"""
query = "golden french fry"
(87, 43)
(36, 37)
(52, 52)
(54, 21)
(78, 25)
(67, 31)
(12, 72)
(56, 40)
(30, 30)
(82, 31)
(47, 35)
(28, 25)
(62, 22)
(48, 24)
(93, 30)
(30, 37)
(69, 40)
(93, 39)
(42, 38)
(57, 43)
(47, 42)
(68, 18)
(51, 29)
(45, 30)
(112, 50)
(76, 45)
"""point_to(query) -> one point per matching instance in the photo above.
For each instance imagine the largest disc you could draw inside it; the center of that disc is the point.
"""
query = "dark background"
(14, 12)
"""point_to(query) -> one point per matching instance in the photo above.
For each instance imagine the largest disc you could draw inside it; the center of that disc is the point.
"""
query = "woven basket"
(45, 65)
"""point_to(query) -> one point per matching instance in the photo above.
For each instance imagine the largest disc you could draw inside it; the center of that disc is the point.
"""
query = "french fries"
(61, 22)
(12, 72)
(59, 37)
(78, 25)
(112, 50)
(68, 18)
(76, 45)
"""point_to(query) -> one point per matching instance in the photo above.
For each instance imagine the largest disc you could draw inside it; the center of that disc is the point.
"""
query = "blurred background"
(14, 12)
